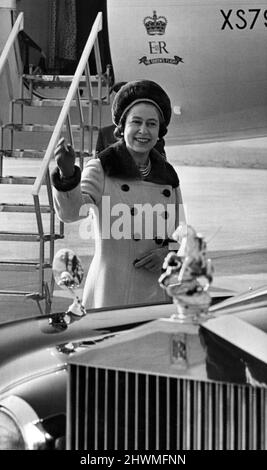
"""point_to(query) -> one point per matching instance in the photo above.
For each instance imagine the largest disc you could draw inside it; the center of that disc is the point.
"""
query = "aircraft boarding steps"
(32, 97)
(78, 128)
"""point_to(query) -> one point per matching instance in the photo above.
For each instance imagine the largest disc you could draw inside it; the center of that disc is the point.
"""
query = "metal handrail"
(97, 27)
(18, 26)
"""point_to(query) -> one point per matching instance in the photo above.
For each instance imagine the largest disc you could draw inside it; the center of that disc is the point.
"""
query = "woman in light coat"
(135, 196)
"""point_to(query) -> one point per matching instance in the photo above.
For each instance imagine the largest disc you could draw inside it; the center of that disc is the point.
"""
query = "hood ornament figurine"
(68, 274)
(188, 275)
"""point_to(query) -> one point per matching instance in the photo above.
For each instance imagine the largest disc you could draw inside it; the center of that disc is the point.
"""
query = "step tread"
(51, 102)
(23, 265)
(27, 236)
(22, 153)
(59, 80)
(34, 295)
(33, 153)
(17, 179)
(21, 207)
(34, 127)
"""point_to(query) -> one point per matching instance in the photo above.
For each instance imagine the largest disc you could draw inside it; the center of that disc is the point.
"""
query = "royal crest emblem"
(155, 25)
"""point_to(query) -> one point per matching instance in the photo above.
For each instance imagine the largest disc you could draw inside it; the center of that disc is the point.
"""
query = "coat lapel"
(117, 162)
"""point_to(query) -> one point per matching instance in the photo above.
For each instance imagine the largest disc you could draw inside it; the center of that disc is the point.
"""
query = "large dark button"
(166, 192)
(165, 215)
(158, 240)
(133, 211)
(125, 187)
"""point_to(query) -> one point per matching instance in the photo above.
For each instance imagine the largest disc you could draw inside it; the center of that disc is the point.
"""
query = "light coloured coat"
(121, 233)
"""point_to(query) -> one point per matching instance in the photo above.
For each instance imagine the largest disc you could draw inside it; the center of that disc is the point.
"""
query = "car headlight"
(10, 436)
(20, 427)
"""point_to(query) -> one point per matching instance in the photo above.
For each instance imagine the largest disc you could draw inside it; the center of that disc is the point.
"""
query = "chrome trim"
(132, 410)
(147, 412)
(116, 410)
(263, 414)
(77, 408)
(136, 402)
(96, 407)
(188, 384)
(30, 377)
(229, 417)
(86, 408)
(241, 299)
(168, 403)
(157, 413)
(197, 415)
(220, 414)
(242, 418)
(252, 418)
(126, 408)
(106, 411)
(178, 439)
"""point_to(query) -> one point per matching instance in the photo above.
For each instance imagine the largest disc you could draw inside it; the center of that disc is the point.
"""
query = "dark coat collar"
(117, 161)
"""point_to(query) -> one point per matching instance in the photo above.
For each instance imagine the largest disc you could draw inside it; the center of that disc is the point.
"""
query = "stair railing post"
(41, 246)
(1, 149)
(69, 130)
(38, 215)
(11, 41)
(52, 217)
(19, 62)
(108, 74)
(11, 120)
(80, 110)
(99, 81)
(90, 108)
(31, 82)
(22, 97)
(41, 267)
(61, 229)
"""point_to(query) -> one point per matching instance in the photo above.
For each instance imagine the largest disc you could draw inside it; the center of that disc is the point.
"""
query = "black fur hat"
(116, 87)
(137, 92)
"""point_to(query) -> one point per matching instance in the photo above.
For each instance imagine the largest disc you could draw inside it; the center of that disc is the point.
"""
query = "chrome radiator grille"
(112, 409)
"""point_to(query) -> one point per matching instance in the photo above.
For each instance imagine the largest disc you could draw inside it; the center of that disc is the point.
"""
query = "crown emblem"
(155, 24)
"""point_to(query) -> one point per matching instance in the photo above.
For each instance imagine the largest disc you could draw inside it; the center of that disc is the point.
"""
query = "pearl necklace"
(145, 169)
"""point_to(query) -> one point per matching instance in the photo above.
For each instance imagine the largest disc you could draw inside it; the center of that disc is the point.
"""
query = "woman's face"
(141, 129)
